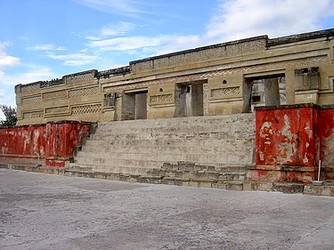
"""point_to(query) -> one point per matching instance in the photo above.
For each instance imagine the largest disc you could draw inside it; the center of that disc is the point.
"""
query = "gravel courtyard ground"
(41, 211)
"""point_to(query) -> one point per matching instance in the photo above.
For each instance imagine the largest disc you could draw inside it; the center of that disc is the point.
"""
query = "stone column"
(271, 92)
(197, 99)
(141, 106)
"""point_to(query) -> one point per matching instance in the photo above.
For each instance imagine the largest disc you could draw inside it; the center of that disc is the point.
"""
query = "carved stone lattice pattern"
(55, 95)
(87, 109)
(32, 115)
(161, 99)
(31, 99)
(56, 110)
(238, 68)
(30, 87)
(84, 92)
(221, 92)
(80, 78)
(212, 53)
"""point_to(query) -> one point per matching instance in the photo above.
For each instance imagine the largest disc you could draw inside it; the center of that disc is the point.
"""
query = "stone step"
(199, 146)
(118, 164)
(102, 157)
(219, 176)
(225, 132)
(108, 169)
(167, 147)
(219, 135)
(149, 164)
(175, 128)
(157, 143)
(231, 185)
(224, 155)
(178, 123)
(181, 122)
(102, 162)
(202, 151)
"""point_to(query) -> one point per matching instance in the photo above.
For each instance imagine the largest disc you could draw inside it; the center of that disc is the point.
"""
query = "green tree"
(10, 114)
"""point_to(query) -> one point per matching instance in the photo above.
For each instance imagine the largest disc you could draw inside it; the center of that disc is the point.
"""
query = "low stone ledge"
(326, 189)
(323, 190)
(219, 185)
(234, 185)
(282, 168)
(290, 188)
(281, 176)
(149, 179)
(200, 183)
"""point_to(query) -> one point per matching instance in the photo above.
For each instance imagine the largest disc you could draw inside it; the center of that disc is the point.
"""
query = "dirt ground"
(41, 211)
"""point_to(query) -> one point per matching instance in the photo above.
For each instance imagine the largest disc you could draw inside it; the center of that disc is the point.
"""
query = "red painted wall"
(325, 132)
(54, 142)
(27, 141)
(286, 136)
(290, 140)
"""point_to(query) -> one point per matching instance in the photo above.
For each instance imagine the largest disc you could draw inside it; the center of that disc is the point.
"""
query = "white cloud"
(47, 47)
(112, 30)
(231, 20)
(33, 74)
(5, 59)
(177, 43)
(70, 59)
(24, 38)
(118, 29)
(243, 18)
(128, 43)
(121, 7)
(75, 59)
(149, 45)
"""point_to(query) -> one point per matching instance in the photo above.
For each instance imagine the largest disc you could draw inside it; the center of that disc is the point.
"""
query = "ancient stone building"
(212, 142)
(226, 78)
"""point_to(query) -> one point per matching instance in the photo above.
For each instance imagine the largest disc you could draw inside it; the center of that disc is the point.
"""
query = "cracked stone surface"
(40, 211)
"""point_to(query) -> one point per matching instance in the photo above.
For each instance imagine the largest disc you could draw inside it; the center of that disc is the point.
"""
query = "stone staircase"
(193, 151)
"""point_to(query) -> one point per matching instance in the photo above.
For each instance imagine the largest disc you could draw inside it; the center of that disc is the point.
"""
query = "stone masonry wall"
(306, 61)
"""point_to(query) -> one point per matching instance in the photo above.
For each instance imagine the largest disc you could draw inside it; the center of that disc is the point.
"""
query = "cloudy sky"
(41, 40)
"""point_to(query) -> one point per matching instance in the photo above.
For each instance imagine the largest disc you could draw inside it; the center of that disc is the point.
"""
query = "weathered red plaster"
(55, 163)
(26, 141)
(296, 136)
(53, 142)
(325, 132)
(285, 137)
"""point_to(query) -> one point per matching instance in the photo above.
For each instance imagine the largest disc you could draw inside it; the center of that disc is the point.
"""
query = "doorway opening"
(267, 90)
(189, 100)
(135, 105)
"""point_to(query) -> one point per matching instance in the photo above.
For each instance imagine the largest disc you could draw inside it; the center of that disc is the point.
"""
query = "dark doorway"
(189, 99)
(135, 105)
(266, 90)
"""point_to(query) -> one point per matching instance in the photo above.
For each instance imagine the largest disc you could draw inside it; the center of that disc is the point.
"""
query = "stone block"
(322, 190)
(235, 186)
(219, 185)
(247, 186)
(149, 179)
(168, 180)
(205, 184)
(181, 182)
(182, 174)
(212, 175)
(193, 183)
(288, 187)
(262, 186)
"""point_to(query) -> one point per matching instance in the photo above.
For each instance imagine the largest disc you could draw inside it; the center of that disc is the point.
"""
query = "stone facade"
(226, 78)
